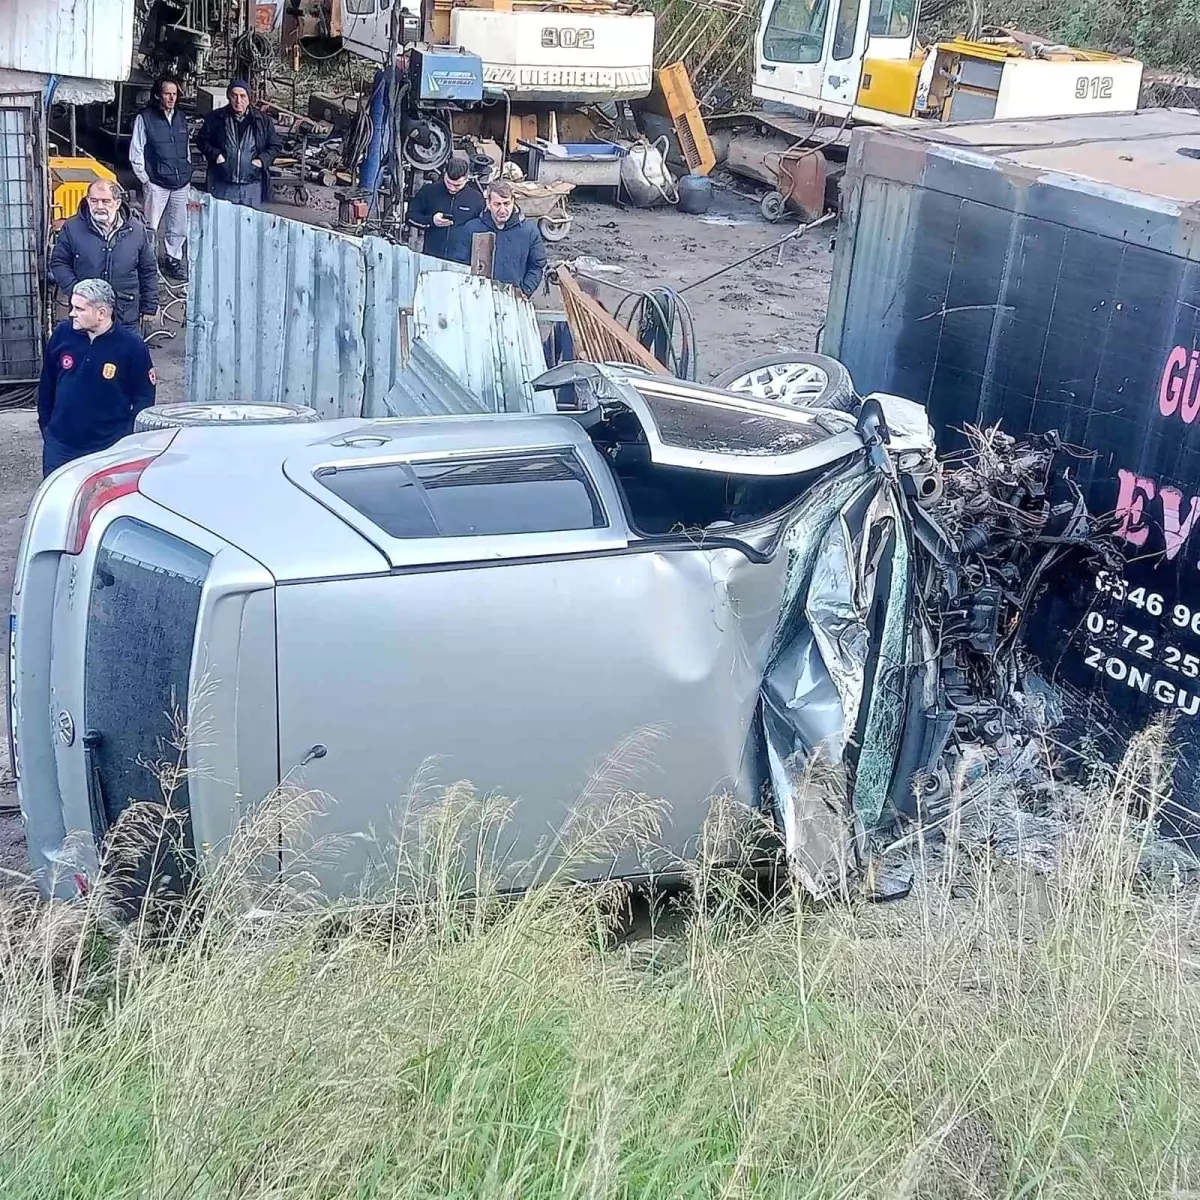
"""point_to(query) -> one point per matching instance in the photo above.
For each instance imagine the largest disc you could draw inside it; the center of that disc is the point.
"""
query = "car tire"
(182, 416)
(796, 379)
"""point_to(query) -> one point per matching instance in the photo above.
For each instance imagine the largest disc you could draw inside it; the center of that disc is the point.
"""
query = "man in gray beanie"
(239, 143)
(96, 377)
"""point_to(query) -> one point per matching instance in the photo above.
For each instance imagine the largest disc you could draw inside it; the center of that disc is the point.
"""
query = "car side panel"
(557, 684)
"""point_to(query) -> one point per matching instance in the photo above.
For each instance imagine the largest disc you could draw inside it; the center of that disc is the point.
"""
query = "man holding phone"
(443, 208)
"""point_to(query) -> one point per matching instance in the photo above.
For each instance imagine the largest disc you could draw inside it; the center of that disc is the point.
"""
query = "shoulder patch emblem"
(153, 377)
(67, 361)
(109, 371)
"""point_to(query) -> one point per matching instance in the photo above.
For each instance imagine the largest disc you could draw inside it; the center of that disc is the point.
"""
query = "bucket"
(695, 194)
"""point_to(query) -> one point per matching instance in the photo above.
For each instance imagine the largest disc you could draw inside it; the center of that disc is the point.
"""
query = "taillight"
(100, 489)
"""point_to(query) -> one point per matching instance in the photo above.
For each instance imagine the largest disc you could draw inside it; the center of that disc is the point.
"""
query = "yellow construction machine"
(823, 66)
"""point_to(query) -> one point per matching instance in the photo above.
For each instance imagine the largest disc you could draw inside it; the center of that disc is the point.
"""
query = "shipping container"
(1045, 275)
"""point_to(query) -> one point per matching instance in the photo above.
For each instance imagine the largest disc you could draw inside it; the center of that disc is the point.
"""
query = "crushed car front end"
(670, 591)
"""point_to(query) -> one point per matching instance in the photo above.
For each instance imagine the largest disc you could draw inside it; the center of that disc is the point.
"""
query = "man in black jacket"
(103, 240)
(239, 143)
(444, 208)
(520, 254)
(96, 377)
(161, 159)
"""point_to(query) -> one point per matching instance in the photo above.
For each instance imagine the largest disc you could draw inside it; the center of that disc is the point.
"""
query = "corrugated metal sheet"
(392, 273)
(274, 311)
(452, 316)
(282, 311)
(89, 38)
(426, 387)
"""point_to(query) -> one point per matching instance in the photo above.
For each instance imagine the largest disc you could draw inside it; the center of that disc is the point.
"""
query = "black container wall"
(1042, 275)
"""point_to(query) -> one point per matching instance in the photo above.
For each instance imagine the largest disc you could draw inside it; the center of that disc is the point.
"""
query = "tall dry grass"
(995, 1035)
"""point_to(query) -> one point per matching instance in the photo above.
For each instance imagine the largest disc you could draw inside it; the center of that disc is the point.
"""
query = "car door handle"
(769, 67)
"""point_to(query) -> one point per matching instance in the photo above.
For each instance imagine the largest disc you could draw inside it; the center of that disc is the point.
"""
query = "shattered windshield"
(692, 426)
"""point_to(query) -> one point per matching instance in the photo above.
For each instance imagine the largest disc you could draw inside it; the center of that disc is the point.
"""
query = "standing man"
(520, 254)
(103, 240)
(444, 208)
(161, 159)
(240, 145)
(96, 377)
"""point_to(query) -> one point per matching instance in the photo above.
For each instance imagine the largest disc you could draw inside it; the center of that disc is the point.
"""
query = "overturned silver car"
(671, 589)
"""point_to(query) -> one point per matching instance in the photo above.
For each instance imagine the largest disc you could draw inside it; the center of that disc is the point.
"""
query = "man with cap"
(443, 208)
(104, 240)
(96, 377)
(519, 257)
(239, 143)
(161, 159)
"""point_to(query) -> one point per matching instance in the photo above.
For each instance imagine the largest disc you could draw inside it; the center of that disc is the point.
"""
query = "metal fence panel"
(391, 293)
(275, 311)
(20, 291)
(450, 311)
(282, 311)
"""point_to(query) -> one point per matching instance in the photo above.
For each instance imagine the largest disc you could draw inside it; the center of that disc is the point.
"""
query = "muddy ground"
(774, 302)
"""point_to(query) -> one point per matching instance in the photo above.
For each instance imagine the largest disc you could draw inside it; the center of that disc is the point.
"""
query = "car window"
(143, 607)
(845, 31)
(714, 428)
(471, 497)
(891, 18)
(796, 31)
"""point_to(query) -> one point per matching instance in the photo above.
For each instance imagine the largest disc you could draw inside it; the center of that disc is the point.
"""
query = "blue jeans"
(55, 455)
(249, 195)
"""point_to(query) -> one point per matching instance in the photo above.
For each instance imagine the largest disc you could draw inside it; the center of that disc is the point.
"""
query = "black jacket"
(90, 391)
(124, 259)
(168, 156)
(462, 208)
(520, 254)
(240, 142)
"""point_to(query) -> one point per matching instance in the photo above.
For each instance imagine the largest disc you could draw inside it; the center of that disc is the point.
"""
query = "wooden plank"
(483, 251)
(598, 338)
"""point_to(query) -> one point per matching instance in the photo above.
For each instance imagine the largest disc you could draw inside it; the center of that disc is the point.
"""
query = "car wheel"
(798, 379)
(177, 416)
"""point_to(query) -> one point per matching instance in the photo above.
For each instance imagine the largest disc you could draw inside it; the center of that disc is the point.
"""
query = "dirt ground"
(775, 302)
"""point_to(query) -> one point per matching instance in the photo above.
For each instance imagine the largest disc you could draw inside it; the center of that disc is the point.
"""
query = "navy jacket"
(90, 391)
(124, 259)
(520, 255)
(463, 207)
(240, 142)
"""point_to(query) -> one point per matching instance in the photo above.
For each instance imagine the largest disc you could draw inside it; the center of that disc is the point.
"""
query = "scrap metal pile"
(1011, 517)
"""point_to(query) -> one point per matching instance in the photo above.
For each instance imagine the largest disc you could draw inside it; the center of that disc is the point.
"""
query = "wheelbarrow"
(547, 202)
(800, 185)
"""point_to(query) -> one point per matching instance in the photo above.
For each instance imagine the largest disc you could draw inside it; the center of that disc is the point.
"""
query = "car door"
(523, 643)
(847, 49)
(791, 51)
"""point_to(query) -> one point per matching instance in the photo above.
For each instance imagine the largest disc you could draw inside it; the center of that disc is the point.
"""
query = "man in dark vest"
(160, 158)
(239, 142)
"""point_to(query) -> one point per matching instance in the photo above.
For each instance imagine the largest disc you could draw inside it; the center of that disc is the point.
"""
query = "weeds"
(994, 1035)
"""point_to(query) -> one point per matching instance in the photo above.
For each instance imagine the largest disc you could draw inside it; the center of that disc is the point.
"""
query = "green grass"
(994, 1035)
